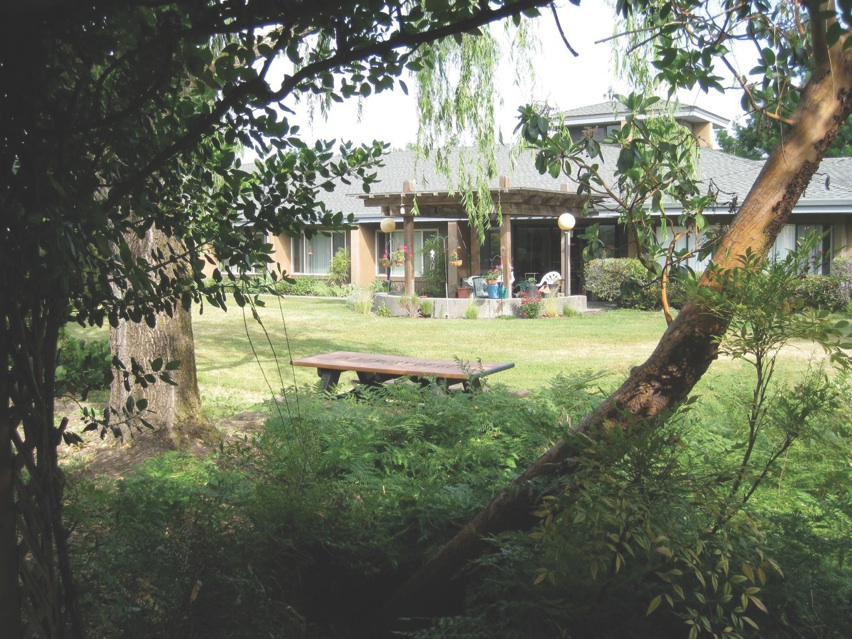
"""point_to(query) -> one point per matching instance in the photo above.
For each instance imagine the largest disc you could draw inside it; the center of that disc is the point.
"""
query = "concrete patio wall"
(488, 308)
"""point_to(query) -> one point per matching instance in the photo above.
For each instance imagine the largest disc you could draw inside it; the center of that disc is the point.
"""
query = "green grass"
(232, 378)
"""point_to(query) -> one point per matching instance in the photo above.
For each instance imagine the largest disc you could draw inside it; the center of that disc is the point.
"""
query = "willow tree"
(687, 38)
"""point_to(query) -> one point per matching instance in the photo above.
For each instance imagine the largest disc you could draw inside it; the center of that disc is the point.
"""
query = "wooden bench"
(375, 369)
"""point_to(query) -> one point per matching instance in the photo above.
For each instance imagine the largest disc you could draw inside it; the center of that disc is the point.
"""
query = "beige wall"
(703, 132)
(362, 246)
(282, 249)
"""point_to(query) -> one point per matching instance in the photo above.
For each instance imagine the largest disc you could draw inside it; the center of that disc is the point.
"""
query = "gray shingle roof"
(728, 173)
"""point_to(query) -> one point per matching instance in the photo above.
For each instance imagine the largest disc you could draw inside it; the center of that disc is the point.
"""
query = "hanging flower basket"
(455, 260)
(395, 258)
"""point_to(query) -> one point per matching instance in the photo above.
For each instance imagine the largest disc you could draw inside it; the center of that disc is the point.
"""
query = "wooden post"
(452, 246)
(408, 234)
(475, 252)
(506, 250)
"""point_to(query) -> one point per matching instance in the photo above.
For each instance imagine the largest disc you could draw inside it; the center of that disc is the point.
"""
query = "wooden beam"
(408, 234)
(506, 250)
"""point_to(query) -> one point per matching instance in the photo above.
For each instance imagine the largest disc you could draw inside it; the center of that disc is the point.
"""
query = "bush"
(360, 300)
(341, 267)
(606, 277)
(426, 308)
(841, 270)
(410, 304)
(531, 306)
(310, 285)
(82, 366)
(629, 284)
(821, 292)
(471, 312)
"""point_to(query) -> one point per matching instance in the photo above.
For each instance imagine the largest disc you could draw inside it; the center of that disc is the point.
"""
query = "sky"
(561, 80)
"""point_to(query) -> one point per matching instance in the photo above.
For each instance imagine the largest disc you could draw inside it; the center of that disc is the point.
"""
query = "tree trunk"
(174, 410)
(10, 619)
(685, 350)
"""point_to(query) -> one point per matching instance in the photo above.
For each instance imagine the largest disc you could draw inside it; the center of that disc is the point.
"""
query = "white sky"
(562, 80)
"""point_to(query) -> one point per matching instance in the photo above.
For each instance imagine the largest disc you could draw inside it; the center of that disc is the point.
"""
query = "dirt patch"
(113, 456)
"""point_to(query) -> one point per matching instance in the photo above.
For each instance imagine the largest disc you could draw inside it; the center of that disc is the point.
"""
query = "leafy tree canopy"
(760, 135)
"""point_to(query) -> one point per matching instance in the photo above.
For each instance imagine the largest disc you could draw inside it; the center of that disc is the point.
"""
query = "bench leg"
(329, 377)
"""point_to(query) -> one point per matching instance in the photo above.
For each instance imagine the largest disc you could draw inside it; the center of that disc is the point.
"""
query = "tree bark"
(688, 346)
(10, 618)
(174, 411)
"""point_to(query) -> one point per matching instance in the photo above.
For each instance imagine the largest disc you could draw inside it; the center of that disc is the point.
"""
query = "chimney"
(409, 186)
(503, 182)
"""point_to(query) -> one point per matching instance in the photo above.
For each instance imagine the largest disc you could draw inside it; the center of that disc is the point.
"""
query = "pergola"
(513, 203)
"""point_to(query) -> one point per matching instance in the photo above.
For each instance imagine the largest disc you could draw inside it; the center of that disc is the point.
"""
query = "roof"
(830, 190)
(613, 112)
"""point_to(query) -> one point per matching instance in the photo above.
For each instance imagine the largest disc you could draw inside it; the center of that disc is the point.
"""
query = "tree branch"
(259, 89)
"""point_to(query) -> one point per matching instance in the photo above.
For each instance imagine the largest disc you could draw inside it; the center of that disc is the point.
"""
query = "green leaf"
(655, 603)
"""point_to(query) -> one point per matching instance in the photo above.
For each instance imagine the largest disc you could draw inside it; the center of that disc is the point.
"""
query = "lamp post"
(388, 225)
(566, 223)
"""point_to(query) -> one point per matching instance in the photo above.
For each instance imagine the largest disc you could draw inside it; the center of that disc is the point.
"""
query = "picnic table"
(375, 369)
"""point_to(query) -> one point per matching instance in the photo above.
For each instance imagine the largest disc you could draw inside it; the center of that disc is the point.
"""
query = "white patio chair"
(548, 282)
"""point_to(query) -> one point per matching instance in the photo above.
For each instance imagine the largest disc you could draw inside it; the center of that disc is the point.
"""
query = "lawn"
(236, 366)
(611, 343)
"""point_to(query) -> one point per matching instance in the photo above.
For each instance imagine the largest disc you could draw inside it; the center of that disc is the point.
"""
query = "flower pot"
(463, 292)
(493, 291)
(455, 262)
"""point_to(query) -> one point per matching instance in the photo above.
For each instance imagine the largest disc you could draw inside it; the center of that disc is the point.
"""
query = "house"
(527, 239)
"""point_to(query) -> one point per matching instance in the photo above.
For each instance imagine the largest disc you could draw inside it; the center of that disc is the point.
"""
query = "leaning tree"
(687, 38)
(101, 138)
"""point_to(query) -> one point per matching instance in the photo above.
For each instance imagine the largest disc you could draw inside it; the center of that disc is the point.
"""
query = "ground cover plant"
(299, 527)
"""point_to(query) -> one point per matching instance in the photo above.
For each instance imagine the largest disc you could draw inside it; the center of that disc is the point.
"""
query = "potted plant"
(491, 278)
(463, 290)
(455, 260)
(395, 257)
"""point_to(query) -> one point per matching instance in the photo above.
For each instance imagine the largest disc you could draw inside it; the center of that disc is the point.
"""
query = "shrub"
(531, 306)
(471, 312)
(306, 285)
(821, 292)
(606, 277)
(341, 266)
(629, 284)
(569, 311)
(841, 270)
(410, 304)
(82, 366)
(426, 308)
(360, 300)
(551, 309)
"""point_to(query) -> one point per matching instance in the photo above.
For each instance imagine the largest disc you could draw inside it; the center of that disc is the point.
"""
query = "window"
(686, 241)
(397, 240)
(792, 234)
(312, 256)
